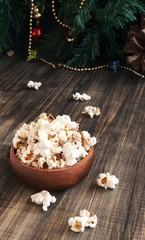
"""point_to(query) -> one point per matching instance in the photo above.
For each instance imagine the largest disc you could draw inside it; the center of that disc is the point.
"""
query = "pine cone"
(136, 45)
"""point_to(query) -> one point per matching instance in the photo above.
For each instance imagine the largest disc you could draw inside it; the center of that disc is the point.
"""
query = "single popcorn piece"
(10, 53)
(77, 224)
(82, 97)
(88, 140)
(107, 180)
(43, 198)
(91, 111)
(35, 85)
(90, 218)
(86, 219)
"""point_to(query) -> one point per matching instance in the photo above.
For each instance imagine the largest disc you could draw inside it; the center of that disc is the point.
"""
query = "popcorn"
(72, 153)
(10, 53)
(41, 161)
(43, 198)
(88, 140)
(52, 142)
(107, 181)
(91, 111)
(35, 85)
(86, 219)
(63, 135)
(82, 97)
(77, 224)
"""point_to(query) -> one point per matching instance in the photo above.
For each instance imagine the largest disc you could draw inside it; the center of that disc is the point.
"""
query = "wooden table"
(121, 132)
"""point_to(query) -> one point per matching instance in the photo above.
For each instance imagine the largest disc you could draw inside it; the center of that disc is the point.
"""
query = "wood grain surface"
(120, 130)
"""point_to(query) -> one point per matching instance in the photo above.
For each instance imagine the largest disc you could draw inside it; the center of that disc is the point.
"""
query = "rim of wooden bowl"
(90, 153)
(51, 179)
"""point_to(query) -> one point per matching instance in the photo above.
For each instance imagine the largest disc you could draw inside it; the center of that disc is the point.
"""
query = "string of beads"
(91, 69)
(56, 17)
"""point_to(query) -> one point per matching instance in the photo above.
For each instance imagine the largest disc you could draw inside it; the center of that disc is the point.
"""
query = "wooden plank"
(120, 150)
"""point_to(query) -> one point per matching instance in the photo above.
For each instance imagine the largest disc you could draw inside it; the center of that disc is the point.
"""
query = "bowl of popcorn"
(51, 153)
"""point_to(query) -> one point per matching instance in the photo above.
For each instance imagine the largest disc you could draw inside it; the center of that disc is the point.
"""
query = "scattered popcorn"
(82, 97)
(107, 181)
(52, 142)
(91, 111)
(77, 224)
(10, 53)
(86, 219)
(43, 198)
(35, 85)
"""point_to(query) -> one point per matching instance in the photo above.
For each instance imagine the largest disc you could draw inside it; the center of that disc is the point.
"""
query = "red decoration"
(36, 33)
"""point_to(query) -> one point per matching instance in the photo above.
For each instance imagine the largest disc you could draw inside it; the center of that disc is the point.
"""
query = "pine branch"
(119, 14)
(87, 52)
(13, 22)
(83, 16)
(47, 46)
(67, 8)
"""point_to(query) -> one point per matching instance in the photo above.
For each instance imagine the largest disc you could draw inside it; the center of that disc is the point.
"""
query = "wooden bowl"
(51, 179)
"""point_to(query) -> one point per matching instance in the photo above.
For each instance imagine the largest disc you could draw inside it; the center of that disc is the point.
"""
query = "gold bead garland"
(82, 69)
(56, 17)
(67, 26)
(81, 4)
(133, 71)
(30, 30)
(70, 37)
(49, 63)
(92, 68)
(33, 11)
